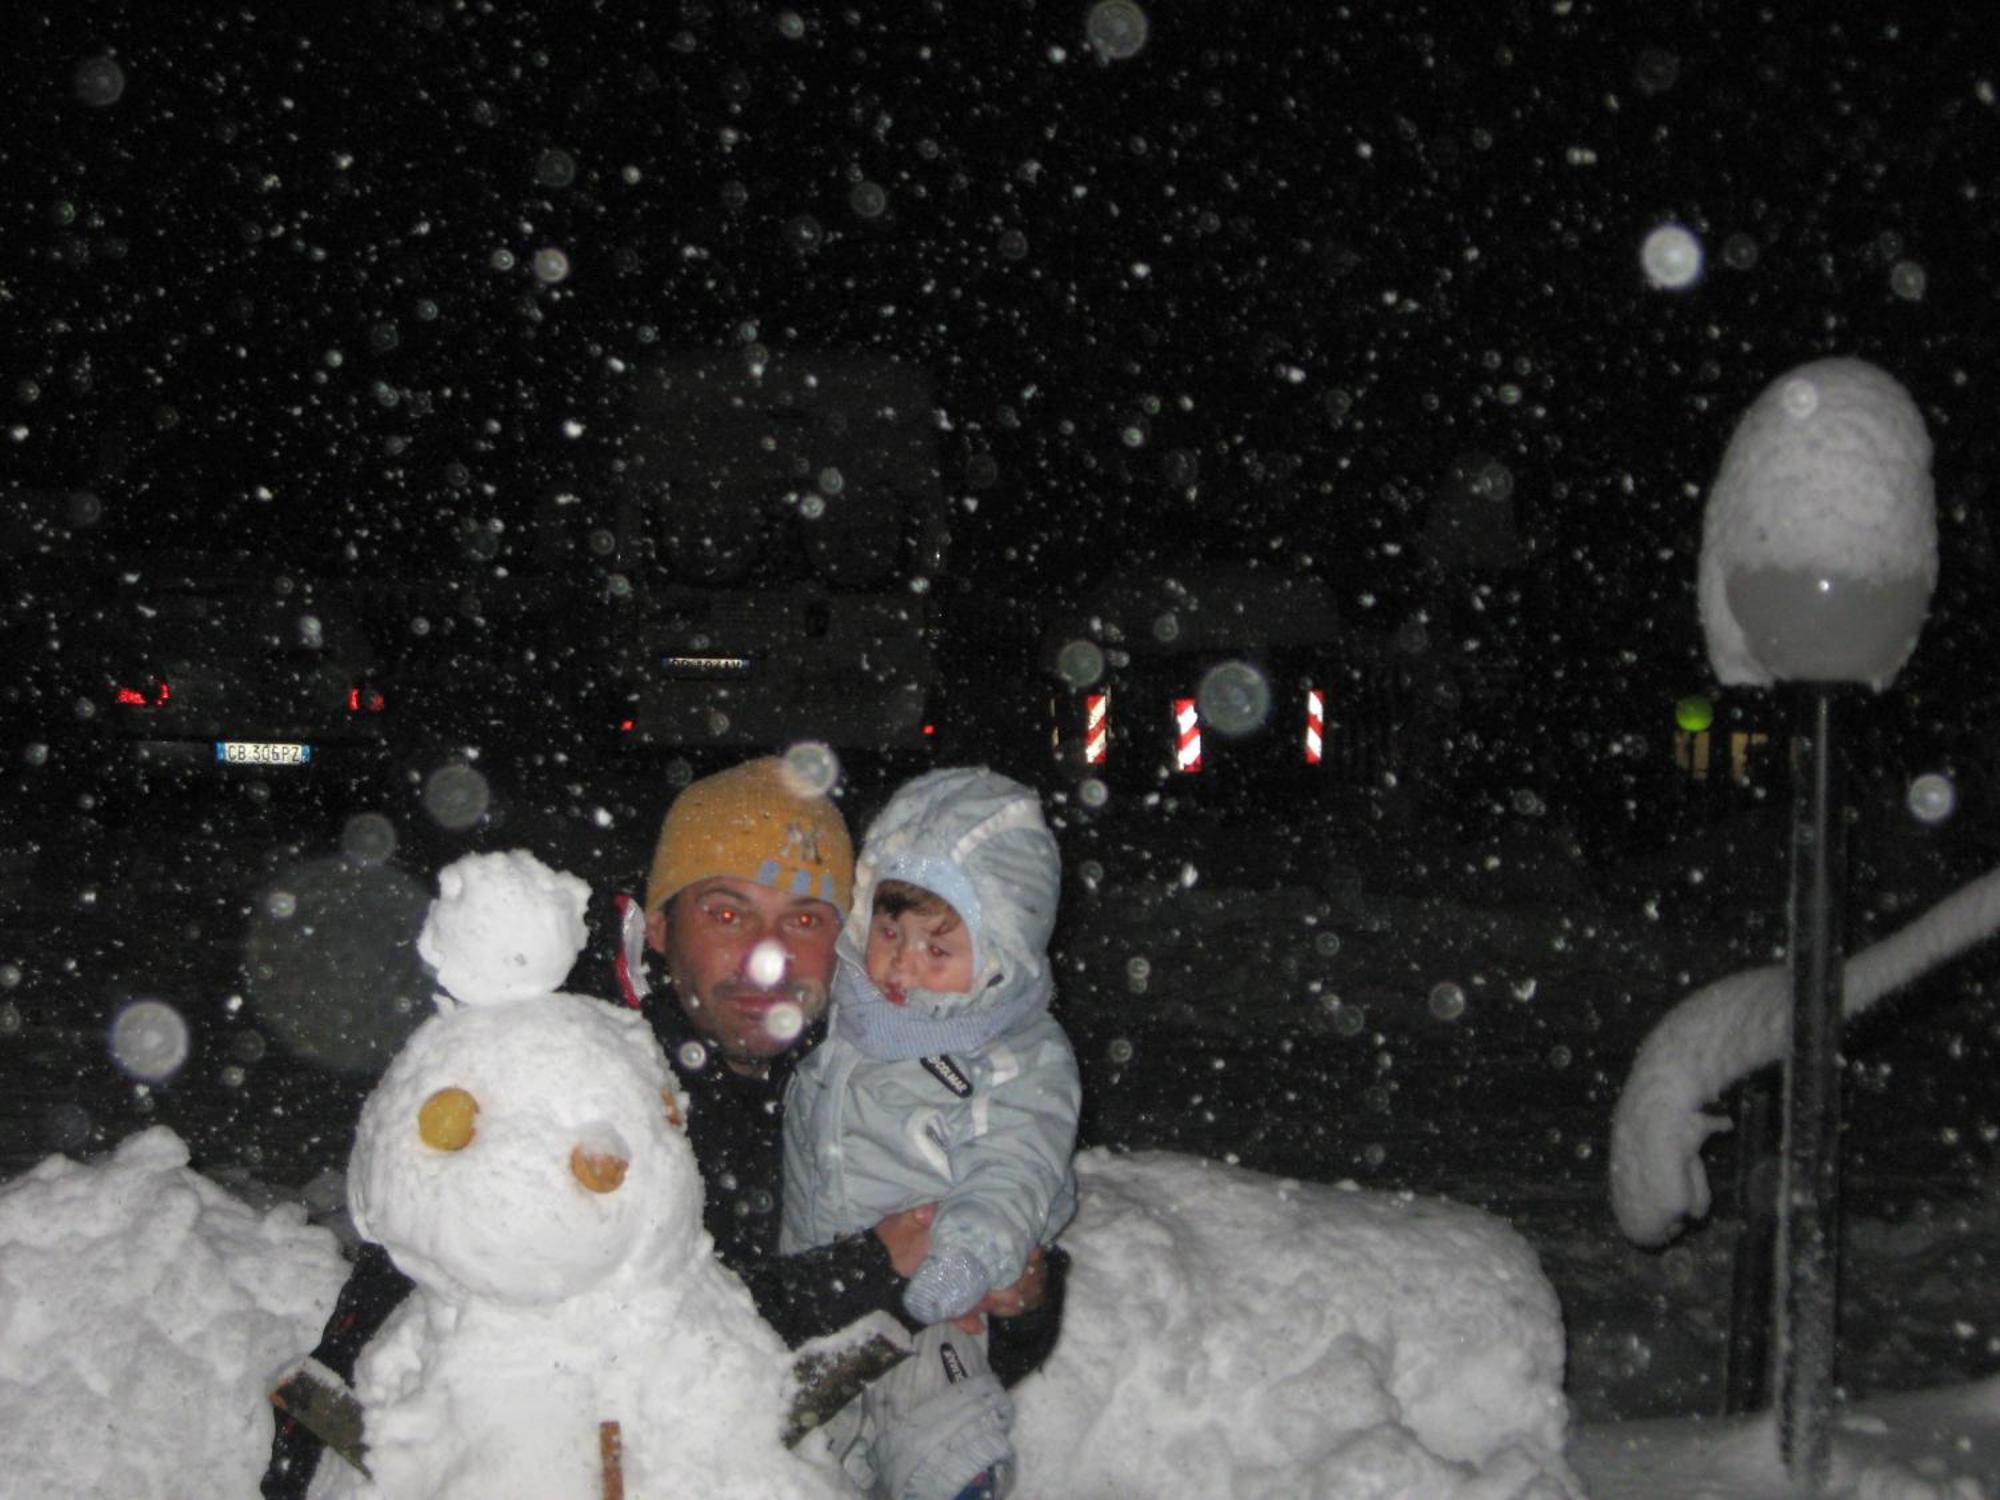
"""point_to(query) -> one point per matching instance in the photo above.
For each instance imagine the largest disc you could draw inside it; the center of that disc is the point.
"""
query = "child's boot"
(941, 1421)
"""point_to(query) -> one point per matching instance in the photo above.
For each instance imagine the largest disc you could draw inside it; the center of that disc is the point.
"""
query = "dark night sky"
(1329, 254)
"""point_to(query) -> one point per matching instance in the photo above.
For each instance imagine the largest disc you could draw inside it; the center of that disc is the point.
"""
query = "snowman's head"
(504, 926)
(526, 1152)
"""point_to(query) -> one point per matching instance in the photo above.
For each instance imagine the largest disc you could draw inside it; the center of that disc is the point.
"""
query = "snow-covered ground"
(1499, 1096)
(1229, 1333)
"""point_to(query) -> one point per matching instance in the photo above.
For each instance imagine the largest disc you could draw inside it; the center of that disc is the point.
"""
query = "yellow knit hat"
(759, 822)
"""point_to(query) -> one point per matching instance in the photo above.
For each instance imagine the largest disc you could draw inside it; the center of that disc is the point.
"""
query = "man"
(749, 884)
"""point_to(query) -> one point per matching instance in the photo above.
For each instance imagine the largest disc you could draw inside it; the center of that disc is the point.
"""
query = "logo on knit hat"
(801, 845)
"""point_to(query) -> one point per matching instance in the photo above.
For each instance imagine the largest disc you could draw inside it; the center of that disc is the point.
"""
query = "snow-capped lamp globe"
(1819, 543)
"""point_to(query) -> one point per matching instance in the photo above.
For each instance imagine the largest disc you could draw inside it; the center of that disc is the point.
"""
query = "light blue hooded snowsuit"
(968, 1101)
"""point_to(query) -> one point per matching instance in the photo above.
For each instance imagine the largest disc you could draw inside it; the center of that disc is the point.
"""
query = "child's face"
(915, 950)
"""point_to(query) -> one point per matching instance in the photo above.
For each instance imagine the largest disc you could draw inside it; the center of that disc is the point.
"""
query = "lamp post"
(1819, 552)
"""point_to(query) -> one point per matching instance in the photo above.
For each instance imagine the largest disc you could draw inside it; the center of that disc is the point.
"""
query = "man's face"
(751, 965)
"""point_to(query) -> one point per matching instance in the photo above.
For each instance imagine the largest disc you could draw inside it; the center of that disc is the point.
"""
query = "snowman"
(570, 1334)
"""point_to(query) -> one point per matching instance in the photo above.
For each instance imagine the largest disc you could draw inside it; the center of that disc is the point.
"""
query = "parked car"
(187, 671)
(166, 687)
(783, 523)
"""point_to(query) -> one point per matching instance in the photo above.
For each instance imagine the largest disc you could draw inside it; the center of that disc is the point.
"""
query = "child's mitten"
(947, 1286)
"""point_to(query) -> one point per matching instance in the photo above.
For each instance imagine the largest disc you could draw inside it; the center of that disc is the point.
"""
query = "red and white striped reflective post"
(1315, 726)
(1187, 735)
(1096, 728)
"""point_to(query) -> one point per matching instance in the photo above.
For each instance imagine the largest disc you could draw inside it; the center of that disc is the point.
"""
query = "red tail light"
(365, 699)
(127, 697)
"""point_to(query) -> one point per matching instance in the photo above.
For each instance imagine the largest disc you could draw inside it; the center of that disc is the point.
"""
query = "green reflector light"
(1694, 713)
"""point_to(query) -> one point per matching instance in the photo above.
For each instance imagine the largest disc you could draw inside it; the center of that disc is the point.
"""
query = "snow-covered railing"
(1727, 1030)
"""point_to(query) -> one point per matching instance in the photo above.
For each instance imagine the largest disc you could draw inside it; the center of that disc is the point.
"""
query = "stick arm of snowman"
(1729, 1029)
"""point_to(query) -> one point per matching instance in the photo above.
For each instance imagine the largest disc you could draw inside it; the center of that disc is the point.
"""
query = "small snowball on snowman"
(522, 1162)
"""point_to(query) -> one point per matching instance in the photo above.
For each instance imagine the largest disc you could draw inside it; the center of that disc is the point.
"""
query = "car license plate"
(262, 753)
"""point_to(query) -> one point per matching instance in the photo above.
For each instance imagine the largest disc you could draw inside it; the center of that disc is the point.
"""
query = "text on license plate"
(262, 753)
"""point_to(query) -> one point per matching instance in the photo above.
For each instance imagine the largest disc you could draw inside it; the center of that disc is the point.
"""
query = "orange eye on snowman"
(600, 1171)
(445, 1120)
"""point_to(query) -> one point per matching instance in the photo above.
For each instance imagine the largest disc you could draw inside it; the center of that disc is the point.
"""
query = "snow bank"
(144, 1313)
(1231, 1333)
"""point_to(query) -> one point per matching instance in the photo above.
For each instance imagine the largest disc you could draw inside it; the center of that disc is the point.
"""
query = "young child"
(942, 1080)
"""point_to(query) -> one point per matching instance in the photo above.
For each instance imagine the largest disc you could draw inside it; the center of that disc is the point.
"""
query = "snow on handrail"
(1730, 1028)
